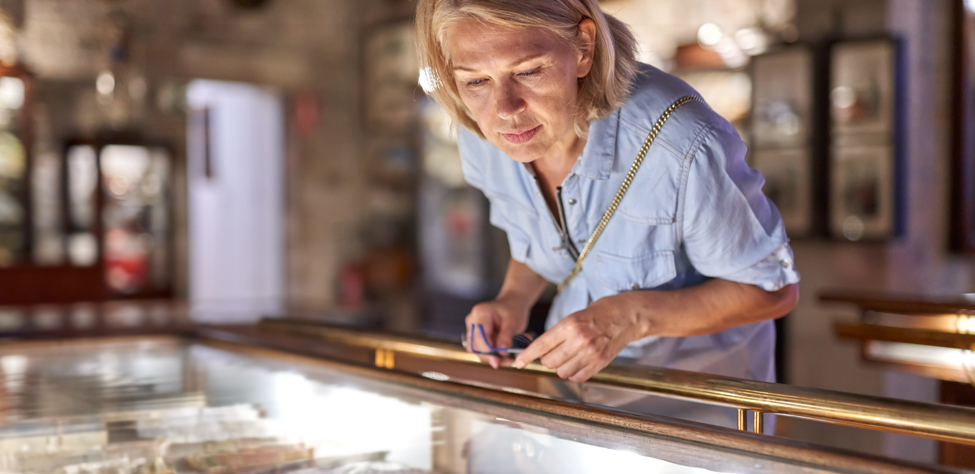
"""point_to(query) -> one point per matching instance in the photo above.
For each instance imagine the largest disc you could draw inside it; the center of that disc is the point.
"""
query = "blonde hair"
(601, 91)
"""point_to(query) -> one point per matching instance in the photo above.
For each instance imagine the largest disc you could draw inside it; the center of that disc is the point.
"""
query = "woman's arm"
(507, 315)
(587, 341)
(705, 309)
(521, 286)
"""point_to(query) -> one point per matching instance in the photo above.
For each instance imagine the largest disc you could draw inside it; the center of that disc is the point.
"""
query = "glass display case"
(228, 400)
(118, 207)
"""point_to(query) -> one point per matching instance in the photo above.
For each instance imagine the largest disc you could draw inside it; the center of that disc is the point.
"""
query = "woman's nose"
(510, 102)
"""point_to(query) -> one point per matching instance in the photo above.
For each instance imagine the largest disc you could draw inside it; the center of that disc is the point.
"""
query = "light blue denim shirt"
(695, 211)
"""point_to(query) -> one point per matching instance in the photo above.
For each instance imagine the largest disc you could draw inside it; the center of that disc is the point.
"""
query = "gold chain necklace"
(626, 184)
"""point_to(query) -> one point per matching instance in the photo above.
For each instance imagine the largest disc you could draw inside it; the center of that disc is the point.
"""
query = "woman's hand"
(502, 319)
(587, 341)
(507, 315)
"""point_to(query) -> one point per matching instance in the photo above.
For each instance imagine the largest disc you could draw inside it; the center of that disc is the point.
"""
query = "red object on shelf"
(352, 286)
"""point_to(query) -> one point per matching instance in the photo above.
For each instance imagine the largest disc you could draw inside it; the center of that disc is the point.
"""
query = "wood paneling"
(37, 285)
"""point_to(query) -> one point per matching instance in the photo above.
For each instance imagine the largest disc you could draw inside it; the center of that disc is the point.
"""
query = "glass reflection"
(82, 182)
(153, 406)
(135, 217)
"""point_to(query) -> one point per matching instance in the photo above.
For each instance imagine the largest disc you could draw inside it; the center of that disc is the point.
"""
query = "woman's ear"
(585, 45)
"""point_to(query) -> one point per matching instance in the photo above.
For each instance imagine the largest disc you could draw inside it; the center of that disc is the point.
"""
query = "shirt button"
(572, 202)
(785, 263)
(635, 286)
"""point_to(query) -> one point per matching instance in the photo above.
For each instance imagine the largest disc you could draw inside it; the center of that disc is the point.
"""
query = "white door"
(236, 201)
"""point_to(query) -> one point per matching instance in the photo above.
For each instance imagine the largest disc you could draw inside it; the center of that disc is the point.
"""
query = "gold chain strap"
(626, 184)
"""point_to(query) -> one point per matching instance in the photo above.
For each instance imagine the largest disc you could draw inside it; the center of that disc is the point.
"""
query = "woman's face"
(520, 85)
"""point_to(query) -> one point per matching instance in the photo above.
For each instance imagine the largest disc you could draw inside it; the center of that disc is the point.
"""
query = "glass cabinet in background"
(118, 214)
(94, 225)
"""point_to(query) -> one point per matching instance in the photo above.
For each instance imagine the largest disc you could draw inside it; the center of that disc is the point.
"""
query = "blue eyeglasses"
(518, 343)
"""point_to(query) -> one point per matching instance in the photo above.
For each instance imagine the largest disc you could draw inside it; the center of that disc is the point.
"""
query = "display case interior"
(165, 405)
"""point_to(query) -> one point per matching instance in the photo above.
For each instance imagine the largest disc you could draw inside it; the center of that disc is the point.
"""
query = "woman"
(554, 109)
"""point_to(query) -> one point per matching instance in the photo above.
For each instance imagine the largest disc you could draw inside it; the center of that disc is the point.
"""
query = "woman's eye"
(475, 82)
(532, 72)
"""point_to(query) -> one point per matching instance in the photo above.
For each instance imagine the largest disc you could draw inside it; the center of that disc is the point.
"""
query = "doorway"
(235, 152)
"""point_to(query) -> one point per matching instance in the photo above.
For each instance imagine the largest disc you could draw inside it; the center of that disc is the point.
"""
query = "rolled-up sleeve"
(730, 230)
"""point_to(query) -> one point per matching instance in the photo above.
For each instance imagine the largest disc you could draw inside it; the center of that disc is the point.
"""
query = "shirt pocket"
(617, 274)
(652, 197)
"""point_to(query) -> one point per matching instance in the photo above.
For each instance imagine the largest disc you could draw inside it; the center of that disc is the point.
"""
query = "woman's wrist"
(637, 308)
(518, 301)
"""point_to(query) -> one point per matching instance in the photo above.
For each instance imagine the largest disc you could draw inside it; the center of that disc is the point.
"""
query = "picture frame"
(783, 98)
(962, 212)
(783, 126)
(862, 89)
(862, 197)
(864, 119)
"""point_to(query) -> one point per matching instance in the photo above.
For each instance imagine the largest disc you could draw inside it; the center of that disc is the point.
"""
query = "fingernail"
(519, 364)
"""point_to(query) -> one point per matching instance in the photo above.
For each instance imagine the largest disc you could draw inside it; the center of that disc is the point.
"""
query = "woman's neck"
(552, 168)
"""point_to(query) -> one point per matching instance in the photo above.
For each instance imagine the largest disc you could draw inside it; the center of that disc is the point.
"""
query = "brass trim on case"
(928, 420)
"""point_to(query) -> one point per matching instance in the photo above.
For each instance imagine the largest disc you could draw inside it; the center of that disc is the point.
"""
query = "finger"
(585, 372)
(572, 366)
(479, 339)
(507, 362)
(558, 356)
(506, 333)
(590, 368)
(543, 345)
(486, 359)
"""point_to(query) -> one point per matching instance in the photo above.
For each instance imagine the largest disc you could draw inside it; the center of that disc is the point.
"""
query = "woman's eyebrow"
(527, 58)
(512, 64)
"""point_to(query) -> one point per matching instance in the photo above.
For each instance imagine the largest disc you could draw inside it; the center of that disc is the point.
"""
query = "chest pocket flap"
(618, 274)
(652, 198)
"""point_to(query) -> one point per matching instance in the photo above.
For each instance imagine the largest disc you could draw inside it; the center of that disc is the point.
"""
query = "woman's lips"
(519, 138)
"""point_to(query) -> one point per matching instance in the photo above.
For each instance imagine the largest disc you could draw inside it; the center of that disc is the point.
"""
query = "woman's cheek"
(472, 99)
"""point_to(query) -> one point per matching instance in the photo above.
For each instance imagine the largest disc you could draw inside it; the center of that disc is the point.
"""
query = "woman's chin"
(525, 153)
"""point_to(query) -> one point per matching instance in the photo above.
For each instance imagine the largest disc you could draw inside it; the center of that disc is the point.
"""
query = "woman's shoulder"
(652, 92)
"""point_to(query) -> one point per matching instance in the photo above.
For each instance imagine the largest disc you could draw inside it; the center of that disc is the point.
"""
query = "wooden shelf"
(901, 303)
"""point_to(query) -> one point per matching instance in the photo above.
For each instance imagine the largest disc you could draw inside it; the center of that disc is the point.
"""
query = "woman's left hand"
(587, 341)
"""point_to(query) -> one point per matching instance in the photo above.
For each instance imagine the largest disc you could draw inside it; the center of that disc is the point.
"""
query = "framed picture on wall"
(862, 89)
(782, 98)
(864, 141)
(962, 226)
(862, 194)
(782, 122)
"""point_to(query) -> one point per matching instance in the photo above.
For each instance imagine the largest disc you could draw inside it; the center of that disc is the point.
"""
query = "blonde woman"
(553, 109)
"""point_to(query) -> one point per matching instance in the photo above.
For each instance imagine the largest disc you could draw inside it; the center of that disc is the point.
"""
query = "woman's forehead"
(476, 45)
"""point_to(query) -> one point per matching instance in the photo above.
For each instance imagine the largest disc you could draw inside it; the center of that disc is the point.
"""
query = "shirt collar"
(597, 157)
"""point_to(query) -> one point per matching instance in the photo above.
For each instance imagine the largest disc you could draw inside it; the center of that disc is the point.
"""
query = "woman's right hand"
(502, 319)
